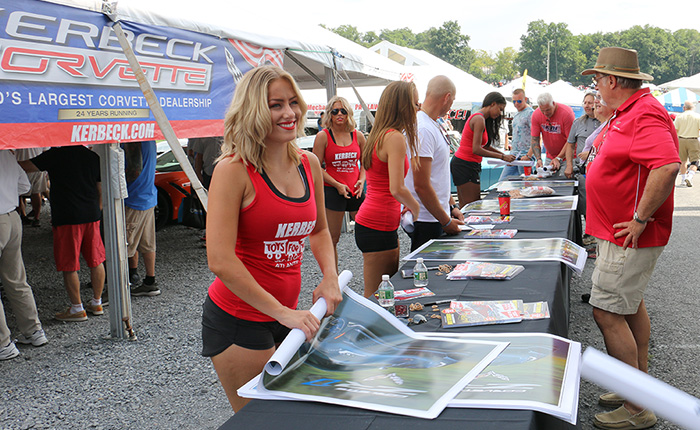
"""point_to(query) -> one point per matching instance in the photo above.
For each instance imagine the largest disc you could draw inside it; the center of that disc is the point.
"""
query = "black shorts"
(371, 240)
(465, 171)
(336, 202)
(221, 330)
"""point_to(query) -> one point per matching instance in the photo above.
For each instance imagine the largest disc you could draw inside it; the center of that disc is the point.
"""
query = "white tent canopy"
(691, 83)
(315, 48)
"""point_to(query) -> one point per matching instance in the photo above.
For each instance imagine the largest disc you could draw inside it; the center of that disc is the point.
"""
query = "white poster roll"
(641, 389)
(296, 337)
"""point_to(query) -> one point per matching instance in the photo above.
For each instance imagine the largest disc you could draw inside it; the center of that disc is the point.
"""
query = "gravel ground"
(84, 379)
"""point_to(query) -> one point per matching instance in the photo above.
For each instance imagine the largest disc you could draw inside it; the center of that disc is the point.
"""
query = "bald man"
(430, 182)
(688, 128)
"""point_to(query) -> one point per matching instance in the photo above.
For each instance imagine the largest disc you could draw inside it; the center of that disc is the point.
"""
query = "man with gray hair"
(688, 128)
(553, 122)
(430, 182)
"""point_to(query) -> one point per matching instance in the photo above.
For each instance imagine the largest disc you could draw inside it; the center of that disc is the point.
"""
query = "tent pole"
(113, 188)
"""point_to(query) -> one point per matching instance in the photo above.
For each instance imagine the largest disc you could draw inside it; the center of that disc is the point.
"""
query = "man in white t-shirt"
(430, 182)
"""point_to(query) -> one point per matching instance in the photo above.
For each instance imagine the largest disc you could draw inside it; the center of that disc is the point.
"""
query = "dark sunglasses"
(341, 110)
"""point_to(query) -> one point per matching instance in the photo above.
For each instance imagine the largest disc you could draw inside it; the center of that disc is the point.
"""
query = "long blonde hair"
(326, 121)
(396, 111)
(248, 121)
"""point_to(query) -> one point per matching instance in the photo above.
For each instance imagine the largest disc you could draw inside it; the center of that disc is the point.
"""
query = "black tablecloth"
(541, 281)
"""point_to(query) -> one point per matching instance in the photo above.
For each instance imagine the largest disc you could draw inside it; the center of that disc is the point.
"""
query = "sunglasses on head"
(341, 110)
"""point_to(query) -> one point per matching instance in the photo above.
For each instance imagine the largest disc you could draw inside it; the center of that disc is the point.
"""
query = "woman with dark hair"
(386, 164)
(478, 136)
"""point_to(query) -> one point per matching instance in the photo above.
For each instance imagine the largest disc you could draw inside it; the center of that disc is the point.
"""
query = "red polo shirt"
(641, 137)
(555, 130)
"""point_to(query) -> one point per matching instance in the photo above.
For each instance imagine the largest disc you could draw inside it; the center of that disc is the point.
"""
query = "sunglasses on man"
(517, 102)
(341, 110)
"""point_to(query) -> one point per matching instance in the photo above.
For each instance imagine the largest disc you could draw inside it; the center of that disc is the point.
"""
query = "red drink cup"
(504, 203)
(528, 170)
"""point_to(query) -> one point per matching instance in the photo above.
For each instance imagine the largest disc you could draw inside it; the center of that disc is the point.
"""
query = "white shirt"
(13, 182)
(433, 144)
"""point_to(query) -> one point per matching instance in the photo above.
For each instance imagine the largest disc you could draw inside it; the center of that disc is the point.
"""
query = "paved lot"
(84, 379)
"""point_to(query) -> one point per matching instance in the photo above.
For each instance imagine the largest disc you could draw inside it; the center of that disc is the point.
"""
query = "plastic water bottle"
(420, 274)
(386, 294)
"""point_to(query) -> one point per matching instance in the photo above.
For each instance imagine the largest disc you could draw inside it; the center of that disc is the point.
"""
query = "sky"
(493, 28)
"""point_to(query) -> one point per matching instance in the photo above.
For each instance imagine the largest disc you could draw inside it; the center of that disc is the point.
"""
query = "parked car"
(173, 185)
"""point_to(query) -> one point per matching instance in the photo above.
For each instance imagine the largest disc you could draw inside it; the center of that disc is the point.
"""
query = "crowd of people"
(266, 197)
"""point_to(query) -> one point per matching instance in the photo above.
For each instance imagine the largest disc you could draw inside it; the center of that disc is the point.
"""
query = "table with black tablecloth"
(541, 281)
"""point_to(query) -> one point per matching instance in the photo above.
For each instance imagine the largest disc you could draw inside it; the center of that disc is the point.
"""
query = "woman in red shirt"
(478, 136)
(266, 197)
(339, 146)
(386, 163)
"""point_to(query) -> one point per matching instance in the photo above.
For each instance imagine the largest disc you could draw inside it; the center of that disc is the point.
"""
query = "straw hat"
(618, 62)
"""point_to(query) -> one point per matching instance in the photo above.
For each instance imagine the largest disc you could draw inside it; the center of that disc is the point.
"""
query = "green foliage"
(663, 54)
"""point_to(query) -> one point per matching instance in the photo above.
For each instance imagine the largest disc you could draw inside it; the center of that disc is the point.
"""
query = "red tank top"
(465, 150)
(272, 231)
(380, 210)
(342, 161)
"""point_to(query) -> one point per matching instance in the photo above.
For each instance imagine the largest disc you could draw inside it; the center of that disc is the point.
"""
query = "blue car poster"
(364, 357)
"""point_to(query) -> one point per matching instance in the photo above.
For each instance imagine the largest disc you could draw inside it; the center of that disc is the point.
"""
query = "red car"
(172, 185)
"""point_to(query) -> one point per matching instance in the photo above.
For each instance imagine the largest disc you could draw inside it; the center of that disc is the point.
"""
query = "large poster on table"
(551, 249)
(363, 357)
(566, 203)
(64, 79)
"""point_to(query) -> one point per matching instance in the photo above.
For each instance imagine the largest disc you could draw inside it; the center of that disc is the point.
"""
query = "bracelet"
(448, 223)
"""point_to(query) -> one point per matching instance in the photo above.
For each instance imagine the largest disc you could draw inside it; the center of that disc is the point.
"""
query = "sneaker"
(8, 351)
(610, 400)
(621, 418)
(94, 309)
(146, 290)
(134, 279)
(688, 182)
(71, 317)
(38, 338)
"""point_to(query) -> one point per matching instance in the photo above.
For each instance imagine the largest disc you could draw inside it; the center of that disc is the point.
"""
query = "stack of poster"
(516, 185)
(364, 357)
(551, 249)
(492, 234)
(566, 203)
(412, 293)
(484, 270)
(486, 219)
(466, 314)
(535, 310)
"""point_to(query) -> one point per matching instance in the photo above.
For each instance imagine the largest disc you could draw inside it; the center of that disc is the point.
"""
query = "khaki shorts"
(37, 181)
(621, 277)
(689, 149)
(140, 231)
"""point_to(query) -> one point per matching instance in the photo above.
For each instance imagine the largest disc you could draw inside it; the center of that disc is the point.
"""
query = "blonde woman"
(339, 146)
(386, 163)
(266, 197)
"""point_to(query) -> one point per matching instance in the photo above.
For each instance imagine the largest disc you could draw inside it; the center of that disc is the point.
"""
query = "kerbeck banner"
(64, 79)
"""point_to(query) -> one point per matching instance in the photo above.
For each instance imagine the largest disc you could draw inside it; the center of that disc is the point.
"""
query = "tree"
(401, 36)
(505, 64)
(564, 55)
(656, 51)
(483, 66)
(688, 49)
(349, 32)
(448, 43)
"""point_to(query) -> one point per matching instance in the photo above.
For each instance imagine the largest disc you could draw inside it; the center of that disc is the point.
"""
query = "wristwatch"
(560, 159)
(639, 220)
(454, 207)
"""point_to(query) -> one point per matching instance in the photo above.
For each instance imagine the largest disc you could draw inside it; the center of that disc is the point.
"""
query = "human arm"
(426, 194)
(536, 150)
(230, 191)
(322, 246)
(198, 165)
(133, 160)
(478, 125)
(659, 186)
(319, 150)
(360, 184)
(28, 166)
(394, 151)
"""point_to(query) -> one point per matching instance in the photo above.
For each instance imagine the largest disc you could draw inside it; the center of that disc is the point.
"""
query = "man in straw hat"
(630, 205)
